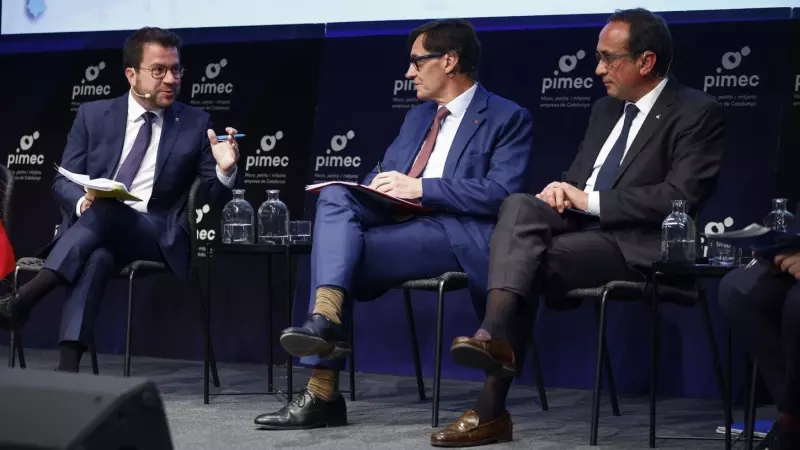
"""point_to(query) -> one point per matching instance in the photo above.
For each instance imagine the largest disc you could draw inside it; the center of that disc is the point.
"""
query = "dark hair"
(648, 31)
(457, 36)
(132, 52)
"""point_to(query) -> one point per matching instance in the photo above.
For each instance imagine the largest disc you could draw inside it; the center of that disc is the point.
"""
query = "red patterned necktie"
(427, 147)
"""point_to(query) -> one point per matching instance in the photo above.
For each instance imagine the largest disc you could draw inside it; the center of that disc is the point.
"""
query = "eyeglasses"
(416, 59)
(611, 58)
(159, 72)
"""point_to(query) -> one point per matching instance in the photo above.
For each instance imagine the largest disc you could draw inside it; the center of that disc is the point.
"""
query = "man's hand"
(789, 263)
(555, 196)
(226, 152)
(397, 184)
(88, 199)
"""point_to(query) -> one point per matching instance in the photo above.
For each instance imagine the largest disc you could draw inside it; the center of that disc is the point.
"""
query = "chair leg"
(93, 355)
(12, 343)
(127, 364)
(612, 387)
(412, 331)
(653, 365)
(537, 370)
(20, 352)
(352, 364)
(751, 408)
(599, 369)
(721, 382)
(437, 370)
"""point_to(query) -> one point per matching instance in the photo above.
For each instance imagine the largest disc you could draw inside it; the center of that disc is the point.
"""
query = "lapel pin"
(476, 121)
(177, 119)
(658, 116)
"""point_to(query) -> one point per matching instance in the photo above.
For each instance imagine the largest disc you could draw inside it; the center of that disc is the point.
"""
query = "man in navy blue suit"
(762, 305)
(461, 153)
(156, 147)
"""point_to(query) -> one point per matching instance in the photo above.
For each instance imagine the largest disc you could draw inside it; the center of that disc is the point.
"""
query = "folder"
(394, 203)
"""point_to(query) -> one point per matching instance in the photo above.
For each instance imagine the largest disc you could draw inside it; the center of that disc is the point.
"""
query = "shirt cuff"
(594, 203)
(78, 206)
(228, 180)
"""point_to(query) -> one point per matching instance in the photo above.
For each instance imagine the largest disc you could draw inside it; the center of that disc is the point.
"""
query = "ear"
(451, 63)
(130, 74)
(647, 63)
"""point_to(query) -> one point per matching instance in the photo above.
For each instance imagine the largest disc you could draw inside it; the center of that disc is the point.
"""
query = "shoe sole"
(492, 440)
(297, 344)
(299, 427)
(469, 356)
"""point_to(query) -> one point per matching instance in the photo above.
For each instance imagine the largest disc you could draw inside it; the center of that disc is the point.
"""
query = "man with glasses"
(460, 153)
(156, 147)
(649, 142)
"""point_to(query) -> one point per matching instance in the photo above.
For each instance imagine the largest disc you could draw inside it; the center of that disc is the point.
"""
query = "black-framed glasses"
(416, 59)
(158, 72)
(611, 58)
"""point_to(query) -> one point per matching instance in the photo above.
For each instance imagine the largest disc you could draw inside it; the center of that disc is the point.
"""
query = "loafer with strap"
(467, 431)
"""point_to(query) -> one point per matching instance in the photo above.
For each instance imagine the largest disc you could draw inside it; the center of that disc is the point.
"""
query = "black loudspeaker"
(52, 410)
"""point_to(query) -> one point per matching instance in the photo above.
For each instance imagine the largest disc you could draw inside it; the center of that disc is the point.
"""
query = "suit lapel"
(169, 134)
(116, 121)
(472, 120)
(419, 136)
(605, 124)
(655, 118)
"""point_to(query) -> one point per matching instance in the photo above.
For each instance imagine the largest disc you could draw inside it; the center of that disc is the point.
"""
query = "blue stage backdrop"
(319, 110)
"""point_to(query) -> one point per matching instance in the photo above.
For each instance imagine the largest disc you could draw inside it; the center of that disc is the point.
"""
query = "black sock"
(44, 282)
(501, 310)
(70, 356)
(491, 402)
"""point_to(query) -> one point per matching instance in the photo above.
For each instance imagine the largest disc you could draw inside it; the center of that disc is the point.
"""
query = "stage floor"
(387, 413)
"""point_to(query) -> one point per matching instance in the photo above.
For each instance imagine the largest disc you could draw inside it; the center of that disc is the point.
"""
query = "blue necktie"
(130, 166)
(605, 179)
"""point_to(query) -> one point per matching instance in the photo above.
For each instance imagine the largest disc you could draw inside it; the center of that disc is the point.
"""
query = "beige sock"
(329, 303)
(324, 383)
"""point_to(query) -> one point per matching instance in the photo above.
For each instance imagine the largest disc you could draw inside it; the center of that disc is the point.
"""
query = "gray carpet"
(387, 413)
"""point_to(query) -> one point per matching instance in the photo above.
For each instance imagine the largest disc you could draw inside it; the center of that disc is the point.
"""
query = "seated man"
(460, 153)
(154, 146)
(762, 305)
(649, 142)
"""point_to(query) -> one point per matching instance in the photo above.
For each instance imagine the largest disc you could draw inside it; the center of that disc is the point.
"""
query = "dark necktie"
(608, 172)
(130, 166)
(427, 147)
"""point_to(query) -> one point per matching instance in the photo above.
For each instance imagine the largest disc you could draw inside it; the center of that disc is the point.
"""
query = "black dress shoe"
(780, 438)
(318, 336)
(306, 411)
(13, 314)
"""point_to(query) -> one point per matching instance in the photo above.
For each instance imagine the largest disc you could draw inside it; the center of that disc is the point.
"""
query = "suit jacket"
(490, 158)
(94, 147)
(676, 155)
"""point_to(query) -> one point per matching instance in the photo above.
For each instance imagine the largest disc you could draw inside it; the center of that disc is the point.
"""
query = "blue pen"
(225, 137)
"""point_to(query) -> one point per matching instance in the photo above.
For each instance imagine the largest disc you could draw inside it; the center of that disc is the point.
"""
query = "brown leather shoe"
(469, 432)
(495, 357)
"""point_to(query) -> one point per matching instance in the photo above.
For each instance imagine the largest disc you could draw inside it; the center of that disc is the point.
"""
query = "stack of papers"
(103, 187)
(765, 242)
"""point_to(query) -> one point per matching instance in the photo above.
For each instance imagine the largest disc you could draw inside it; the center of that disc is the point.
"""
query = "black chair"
(635, 291)
(131, 272)
(447, 282)
(750, 408)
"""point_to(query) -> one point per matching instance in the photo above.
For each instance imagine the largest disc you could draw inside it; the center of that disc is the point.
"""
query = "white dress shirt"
(142, 185)
(645, 104)
(447, 132)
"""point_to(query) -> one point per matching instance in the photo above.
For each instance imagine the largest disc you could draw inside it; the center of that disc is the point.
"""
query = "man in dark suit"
(460, 153)
(762, 305)
(649, 142)
(154, 146)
